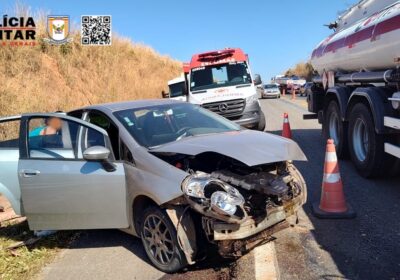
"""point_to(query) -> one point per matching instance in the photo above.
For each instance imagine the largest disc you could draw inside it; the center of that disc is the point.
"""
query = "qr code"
(96, 30)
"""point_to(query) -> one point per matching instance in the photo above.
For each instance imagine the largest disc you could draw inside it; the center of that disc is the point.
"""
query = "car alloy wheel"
(158, 239)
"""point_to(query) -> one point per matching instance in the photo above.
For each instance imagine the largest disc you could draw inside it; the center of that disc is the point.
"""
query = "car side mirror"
(257, 80)
(101, 154)
(96, 153)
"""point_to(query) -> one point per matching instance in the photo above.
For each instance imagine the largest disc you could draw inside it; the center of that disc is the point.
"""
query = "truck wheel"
(366, 146)
(159, 238)
(261, 123)
(334, 128)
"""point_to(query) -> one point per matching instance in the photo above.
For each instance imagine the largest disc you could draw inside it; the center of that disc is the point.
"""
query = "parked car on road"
(270, 91)
(304, 89)
(172, 173)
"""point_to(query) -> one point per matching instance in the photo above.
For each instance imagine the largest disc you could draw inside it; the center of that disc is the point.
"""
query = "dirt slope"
(49, 78)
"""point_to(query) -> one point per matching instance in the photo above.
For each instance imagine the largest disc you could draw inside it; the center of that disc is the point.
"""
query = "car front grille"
(229, 109)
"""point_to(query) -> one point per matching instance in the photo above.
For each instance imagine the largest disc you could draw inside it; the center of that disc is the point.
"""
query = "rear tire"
(334, 128)
(365, 145)
(159, 238)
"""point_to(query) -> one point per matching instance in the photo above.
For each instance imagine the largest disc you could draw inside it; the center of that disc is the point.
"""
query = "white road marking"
(265, 262)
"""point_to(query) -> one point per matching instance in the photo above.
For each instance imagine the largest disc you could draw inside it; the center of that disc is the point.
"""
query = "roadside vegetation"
(50, 78)
(301, 69)
(47, 78)
(25, 261)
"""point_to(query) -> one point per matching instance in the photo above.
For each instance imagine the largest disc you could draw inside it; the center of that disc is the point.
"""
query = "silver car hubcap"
(334, 128)
(158, 239)
(360, 140)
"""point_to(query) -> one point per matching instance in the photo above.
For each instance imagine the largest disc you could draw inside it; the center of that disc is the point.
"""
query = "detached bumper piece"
(234, 240)
(238, 248)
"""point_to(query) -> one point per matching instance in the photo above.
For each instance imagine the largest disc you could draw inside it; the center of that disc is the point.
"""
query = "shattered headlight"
(225, 202)
(222, 197)
(193, 186)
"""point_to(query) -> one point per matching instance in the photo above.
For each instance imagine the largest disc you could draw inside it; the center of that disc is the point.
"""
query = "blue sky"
(275, 34)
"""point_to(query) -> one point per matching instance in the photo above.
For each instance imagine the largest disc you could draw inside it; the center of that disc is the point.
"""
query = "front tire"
(159, 238)
(261, 123)
(299, 179)
(334, 128)
(366, 146)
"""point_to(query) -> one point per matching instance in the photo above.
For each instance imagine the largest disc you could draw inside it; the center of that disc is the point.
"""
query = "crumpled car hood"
(250, 147)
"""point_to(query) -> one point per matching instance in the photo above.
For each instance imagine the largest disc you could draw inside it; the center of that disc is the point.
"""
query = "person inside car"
(51, 127)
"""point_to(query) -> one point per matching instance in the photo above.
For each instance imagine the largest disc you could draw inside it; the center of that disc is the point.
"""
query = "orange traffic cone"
(286, 132)
(333, 203)
(293, 93)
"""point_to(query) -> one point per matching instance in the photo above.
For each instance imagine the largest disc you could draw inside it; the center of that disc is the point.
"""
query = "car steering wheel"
(182, 132)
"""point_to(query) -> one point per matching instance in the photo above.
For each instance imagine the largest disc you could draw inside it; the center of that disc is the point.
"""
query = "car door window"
(9, 156)
(57, 138)
(9, 134)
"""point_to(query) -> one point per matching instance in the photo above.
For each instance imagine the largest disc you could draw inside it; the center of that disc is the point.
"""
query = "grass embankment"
(50, 78)
(47, 78)
(24, 262)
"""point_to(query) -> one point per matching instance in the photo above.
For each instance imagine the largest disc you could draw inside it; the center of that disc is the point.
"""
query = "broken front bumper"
(226, 231)
(234, 240)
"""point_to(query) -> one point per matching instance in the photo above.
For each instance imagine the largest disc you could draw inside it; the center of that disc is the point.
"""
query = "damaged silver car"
(174, 174)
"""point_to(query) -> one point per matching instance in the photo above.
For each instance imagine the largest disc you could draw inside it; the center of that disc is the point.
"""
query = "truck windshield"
(234, 73)
(177, 89)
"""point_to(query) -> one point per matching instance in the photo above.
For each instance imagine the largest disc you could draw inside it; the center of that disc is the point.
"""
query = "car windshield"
(234, 73)
(177, 89)
(270, 86)
(161, 124)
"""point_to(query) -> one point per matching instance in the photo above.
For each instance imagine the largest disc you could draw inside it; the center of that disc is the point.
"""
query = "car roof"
(126, 105)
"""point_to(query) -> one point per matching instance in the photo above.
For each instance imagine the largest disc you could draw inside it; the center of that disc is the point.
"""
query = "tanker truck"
(356, 94)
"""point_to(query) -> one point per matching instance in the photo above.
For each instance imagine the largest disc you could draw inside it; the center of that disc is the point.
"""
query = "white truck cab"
(177, 88)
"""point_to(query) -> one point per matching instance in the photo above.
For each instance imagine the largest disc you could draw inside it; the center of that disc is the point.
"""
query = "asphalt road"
(367, 247)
